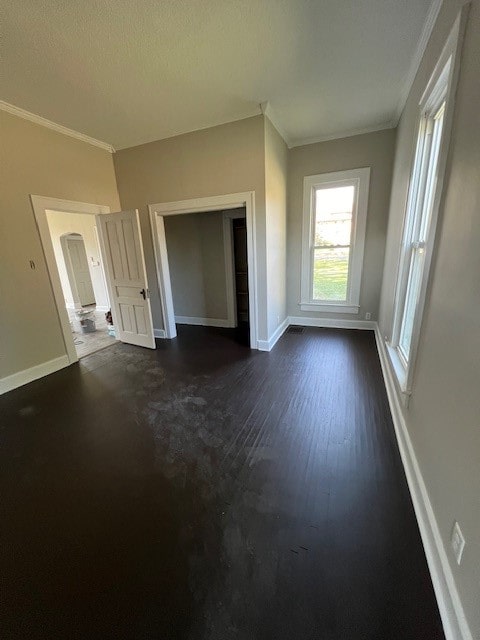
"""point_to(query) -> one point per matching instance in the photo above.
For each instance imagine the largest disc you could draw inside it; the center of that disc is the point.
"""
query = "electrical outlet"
(368, 315)
(458, 542)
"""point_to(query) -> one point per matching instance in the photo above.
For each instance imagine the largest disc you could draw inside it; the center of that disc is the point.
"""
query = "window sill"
(322, 307)
(399, 369)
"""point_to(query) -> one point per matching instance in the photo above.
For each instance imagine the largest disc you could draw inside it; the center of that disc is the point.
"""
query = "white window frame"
(440, 88)
(360, 179)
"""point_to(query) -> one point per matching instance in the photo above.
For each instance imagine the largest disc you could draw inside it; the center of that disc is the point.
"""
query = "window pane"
(432, 173)
(333, 216)
(330, 274)
(421, 215)
(333, 229)
(411, 298)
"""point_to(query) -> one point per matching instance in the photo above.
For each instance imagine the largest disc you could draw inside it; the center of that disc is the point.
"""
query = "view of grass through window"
(333, 228)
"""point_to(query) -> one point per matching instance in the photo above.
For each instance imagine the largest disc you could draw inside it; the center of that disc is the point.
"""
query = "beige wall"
(59, 224)
(196, 259)
(375, 150)
(37, 160)
(216, 161)
(276, 161)
(443, 417)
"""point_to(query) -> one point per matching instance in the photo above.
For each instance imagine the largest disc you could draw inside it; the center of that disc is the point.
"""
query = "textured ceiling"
(129, 72)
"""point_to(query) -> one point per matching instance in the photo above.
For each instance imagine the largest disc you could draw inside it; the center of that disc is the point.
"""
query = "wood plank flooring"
(204, 491)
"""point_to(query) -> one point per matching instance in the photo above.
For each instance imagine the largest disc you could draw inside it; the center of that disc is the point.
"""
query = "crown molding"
(26, 115)
(428, 26)
(343, 134)
(266, 108)
(431, 18)
(269, 113)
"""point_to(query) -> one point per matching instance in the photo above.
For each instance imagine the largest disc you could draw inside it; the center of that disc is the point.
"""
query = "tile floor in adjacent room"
(87, 343)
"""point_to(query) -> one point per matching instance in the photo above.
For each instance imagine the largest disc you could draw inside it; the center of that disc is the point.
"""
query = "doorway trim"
(40, 205)
(198, 205)
(228, 216)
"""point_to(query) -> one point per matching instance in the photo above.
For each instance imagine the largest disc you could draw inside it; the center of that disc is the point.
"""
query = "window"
(418, 223)
(334, 220)
(421, 215)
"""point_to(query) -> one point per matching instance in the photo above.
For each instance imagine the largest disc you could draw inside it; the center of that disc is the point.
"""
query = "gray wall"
(443, 418)
(375, 150)
(196, 258)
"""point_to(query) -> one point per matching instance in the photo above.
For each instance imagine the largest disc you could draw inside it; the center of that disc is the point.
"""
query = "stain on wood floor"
(203, 491)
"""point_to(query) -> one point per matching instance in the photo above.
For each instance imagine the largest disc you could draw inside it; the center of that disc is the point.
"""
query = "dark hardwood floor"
(203, 491)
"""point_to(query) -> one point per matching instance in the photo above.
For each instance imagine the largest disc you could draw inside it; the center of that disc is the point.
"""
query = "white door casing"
(40, 205)
(196, 205)
(122, 249)
(80, 270)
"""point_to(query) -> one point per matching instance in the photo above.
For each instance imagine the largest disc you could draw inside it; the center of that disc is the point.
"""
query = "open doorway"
(118, 259)
(238, 274)
(207, 257)
(82, 278)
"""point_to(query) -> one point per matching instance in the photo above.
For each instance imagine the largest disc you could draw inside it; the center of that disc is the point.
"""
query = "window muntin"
(423, 207)
(335, 207)
(428, 144)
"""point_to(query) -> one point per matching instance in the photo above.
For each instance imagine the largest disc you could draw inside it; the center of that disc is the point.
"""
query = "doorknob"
(144, 294)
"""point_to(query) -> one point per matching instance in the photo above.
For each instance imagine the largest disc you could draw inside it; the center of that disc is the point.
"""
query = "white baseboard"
(453, 617)
(29, 375)
(332, 323)
(159, 333)
(267, 345)
(205, 322)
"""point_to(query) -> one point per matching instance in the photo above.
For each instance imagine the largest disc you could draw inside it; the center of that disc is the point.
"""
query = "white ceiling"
(131, 72)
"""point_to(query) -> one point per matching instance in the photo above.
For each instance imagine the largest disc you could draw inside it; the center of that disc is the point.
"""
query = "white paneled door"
(80, 270)
(127, 278)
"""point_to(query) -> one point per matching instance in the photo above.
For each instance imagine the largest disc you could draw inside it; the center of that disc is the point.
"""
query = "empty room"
(208, 267)
(239, 313)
